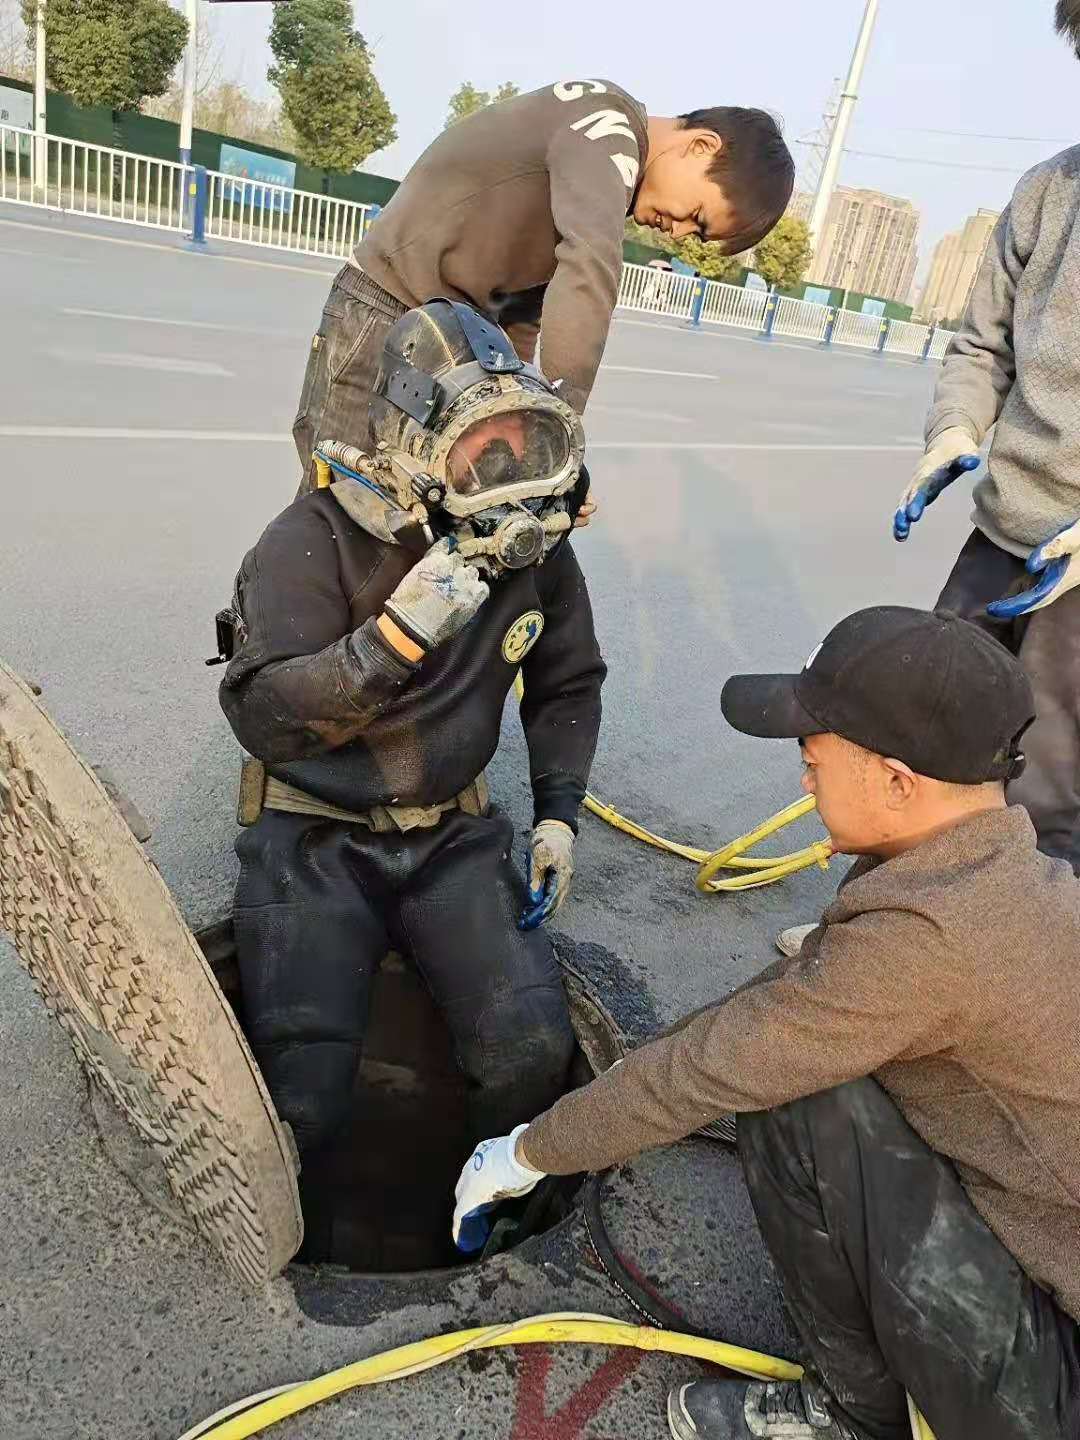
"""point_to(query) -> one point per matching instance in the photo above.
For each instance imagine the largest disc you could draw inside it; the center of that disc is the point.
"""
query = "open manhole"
(379, 1199)
(155, 1017)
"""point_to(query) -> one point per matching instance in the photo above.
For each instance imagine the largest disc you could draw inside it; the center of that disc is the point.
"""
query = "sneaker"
(789, 942)
(732, 1410)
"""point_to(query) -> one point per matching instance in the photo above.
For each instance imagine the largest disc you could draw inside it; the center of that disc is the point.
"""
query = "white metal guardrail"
(252, 212)
(800, 317)
(72, 175)
(685, 297)
(659, 292)
(732, 305)
(855, 329)
(61, 174)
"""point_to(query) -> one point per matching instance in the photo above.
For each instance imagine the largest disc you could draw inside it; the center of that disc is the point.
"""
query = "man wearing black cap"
(910, 1133)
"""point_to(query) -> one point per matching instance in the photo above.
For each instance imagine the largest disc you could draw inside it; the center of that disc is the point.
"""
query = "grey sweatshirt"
(1016, 360)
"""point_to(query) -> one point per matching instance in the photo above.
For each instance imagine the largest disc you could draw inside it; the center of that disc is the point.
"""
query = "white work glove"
(953, 453)
(438, 597)
(491, 1173)
(550, 866)
(1057, 564)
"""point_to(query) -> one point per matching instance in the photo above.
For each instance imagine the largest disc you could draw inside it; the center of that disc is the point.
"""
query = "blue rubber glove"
(1057, 565)
(952, 454)
(492, 1173)
(549, 865)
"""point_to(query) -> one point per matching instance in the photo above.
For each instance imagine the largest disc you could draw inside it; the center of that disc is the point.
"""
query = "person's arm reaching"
(593, 163)
(843, 1008)
(980, 365)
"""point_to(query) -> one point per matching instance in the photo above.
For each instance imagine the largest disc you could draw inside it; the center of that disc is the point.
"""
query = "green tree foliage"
(110, 52)
(783, 257)
(329, 92)
(708, 258)
(467, 100)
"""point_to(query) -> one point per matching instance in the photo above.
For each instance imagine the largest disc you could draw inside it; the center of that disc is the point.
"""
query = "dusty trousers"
(342, 365)
(318, 905)
(1047, 644)
(894, 1281)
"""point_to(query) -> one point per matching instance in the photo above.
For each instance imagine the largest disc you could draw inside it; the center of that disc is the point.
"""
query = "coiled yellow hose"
(752, 870)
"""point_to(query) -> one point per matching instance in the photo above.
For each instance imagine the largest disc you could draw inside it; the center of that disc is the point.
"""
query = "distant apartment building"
(869, 243)
(955, 264)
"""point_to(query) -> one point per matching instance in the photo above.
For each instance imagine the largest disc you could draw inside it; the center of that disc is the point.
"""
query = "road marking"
(162, 320)
(129, 361)
(174, 249)
(597, 407)
(36, 255)
(739, 445)
(115, 432)
(569, 1421)
(673, 374)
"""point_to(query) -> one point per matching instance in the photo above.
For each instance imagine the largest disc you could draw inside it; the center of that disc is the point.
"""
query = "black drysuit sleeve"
(303, 680)
(560, 710)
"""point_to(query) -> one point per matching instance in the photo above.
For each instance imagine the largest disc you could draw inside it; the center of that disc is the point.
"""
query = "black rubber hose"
(649, 1306)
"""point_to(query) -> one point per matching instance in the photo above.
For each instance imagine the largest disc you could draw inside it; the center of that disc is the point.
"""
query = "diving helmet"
(461, 426)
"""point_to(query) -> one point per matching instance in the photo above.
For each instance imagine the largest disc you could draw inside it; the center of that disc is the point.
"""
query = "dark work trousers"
(318, 905)
(342, 366)
(895, 1283)
(1047, 644)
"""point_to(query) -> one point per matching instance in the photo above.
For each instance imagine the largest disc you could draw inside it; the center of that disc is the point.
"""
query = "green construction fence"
(160, 139)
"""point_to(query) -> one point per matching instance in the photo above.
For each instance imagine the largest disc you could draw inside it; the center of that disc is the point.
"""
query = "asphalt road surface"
(146, 395)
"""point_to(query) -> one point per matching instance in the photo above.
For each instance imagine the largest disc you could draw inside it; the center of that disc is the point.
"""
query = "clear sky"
(986, 67)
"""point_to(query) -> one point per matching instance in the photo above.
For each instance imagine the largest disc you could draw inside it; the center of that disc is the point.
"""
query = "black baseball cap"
(931, 690)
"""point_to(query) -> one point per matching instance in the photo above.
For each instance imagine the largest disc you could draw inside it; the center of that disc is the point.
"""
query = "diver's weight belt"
(260, 791)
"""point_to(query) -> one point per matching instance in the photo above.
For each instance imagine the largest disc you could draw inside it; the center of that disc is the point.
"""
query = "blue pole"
(699, 304)
(374, 211)
(886, 326)
(830, 325)
(929, 341)
(197, 192)
(769, 318)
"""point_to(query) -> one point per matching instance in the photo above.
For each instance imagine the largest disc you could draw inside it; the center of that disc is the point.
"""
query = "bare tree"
(207, 75)
(15, 60)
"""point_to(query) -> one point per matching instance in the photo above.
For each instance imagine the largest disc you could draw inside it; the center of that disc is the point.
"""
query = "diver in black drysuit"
(370, 675)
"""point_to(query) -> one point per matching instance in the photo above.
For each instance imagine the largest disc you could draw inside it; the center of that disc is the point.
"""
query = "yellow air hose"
(256, 1414)
(262, 1411)
(751, 871)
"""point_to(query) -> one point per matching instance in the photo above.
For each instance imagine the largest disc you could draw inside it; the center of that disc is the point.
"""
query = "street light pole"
(841, 125)
(41, 145)
(187, 115)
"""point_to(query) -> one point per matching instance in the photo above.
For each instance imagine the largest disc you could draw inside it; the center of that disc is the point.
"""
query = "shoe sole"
(94, 924)
(680, 1424)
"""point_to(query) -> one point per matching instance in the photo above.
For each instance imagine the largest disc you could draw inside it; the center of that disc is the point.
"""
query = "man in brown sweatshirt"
(907, 1087)
(520, 210)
